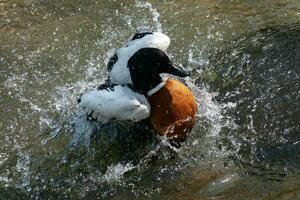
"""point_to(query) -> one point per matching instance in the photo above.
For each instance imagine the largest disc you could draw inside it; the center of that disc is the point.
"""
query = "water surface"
(244, 57)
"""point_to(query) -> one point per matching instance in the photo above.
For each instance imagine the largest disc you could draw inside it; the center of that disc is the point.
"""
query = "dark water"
(244, 57)
(260, 74)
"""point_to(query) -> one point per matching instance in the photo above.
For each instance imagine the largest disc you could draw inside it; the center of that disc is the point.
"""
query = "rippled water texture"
(244, 57)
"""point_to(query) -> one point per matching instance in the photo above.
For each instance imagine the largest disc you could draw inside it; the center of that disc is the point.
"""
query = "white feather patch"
(121, 103)
(156, 88)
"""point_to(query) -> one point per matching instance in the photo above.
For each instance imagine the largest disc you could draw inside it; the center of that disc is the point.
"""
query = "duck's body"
(173, 110)
(171, 107)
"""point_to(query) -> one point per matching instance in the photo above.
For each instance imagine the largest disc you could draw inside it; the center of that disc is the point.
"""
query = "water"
(244, 57)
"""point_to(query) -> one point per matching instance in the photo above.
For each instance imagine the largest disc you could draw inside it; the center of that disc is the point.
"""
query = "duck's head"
(147, 64)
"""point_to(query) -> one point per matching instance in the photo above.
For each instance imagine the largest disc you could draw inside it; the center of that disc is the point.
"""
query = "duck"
(117, 65)
(166, 103)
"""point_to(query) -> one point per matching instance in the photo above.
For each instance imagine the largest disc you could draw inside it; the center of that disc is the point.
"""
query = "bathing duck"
(173, 106)
(117, 65)
(167, 103)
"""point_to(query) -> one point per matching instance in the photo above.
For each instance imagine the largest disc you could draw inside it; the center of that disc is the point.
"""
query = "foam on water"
(115, 173)
(23, 167)
(153, 11)
(83, 129)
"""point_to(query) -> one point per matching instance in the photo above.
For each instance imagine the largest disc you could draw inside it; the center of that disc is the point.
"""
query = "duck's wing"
(119, 102)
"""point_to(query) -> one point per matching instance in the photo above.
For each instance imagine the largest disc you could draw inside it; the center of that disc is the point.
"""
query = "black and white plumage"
(117, 66)
(134, 74)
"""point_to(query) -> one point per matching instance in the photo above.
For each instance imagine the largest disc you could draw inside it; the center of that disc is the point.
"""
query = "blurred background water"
(244, 57)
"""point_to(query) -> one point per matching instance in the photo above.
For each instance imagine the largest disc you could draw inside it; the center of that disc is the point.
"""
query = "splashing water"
(155, 14)
(243, 58)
